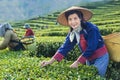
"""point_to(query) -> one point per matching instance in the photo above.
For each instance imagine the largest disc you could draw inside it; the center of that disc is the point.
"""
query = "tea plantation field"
(25, 65)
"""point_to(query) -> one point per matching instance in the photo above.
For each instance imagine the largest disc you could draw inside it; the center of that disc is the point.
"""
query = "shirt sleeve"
(92, 43)
(29, 32)
(64, 49)
(6, 40)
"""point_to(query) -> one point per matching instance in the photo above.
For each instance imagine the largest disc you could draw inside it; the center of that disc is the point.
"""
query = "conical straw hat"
(87, 14)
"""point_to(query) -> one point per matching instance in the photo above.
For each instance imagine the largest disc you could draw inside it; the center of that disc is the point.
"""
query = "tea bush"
(55, 33)
(113, 71)
(24, 65)
(26, 68)
(48, 49)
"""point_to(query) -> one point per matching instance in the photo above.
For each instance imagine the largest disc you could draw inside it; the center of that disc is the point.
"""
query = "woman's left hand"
(74, 65)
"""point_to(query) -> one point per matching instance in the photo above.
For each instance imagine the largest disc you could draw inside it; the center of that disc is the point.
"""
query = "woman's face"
(74, 21)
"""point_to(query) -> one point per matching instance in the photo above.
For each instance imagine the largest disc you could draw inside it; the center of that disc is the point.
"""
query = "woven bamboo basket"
(29, 43)
(31, 47)
(112, 42)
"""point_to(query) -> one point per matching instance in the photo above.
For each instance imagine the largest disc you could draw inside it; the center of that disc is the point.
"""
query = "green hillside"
(24, 65)
(106, 17)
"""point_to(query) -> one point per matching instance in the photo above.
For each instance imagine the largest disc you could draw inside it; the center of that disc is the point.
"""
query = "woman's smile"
(74, 21)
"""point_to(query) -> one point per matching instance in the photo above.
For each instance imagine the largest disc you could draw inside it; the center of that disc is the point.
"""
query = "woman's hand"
(74, 65)
(44, 63)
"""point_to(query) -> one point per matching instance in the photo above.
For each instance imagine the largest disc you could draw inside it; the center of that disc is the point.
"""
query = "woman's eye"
(69, 19)
(75, 18)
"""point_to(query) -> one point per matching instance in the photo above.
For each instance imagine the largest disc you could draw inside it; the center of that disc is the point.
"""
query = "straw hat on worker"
(87, 14)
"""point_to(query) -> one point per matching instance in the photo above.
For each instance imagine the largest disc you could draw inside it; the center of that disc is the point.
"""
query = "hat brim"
(87, 14)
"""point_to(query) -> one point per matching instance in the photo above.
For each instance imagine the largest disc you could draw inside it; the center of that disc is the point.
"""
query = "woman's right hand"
(44, 63)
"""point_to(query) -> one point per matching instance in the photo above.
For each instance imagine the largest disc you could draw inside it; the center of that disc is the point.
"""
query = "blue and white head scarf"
(3, 27)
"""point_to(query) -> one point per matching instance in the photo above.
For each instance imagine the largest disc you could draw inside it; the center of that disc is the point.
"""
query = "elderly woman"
(10, 38)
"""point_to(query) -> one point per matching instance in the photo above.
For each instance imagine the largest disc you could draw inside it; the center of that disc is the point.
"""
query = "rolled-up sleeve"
(64, 49)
